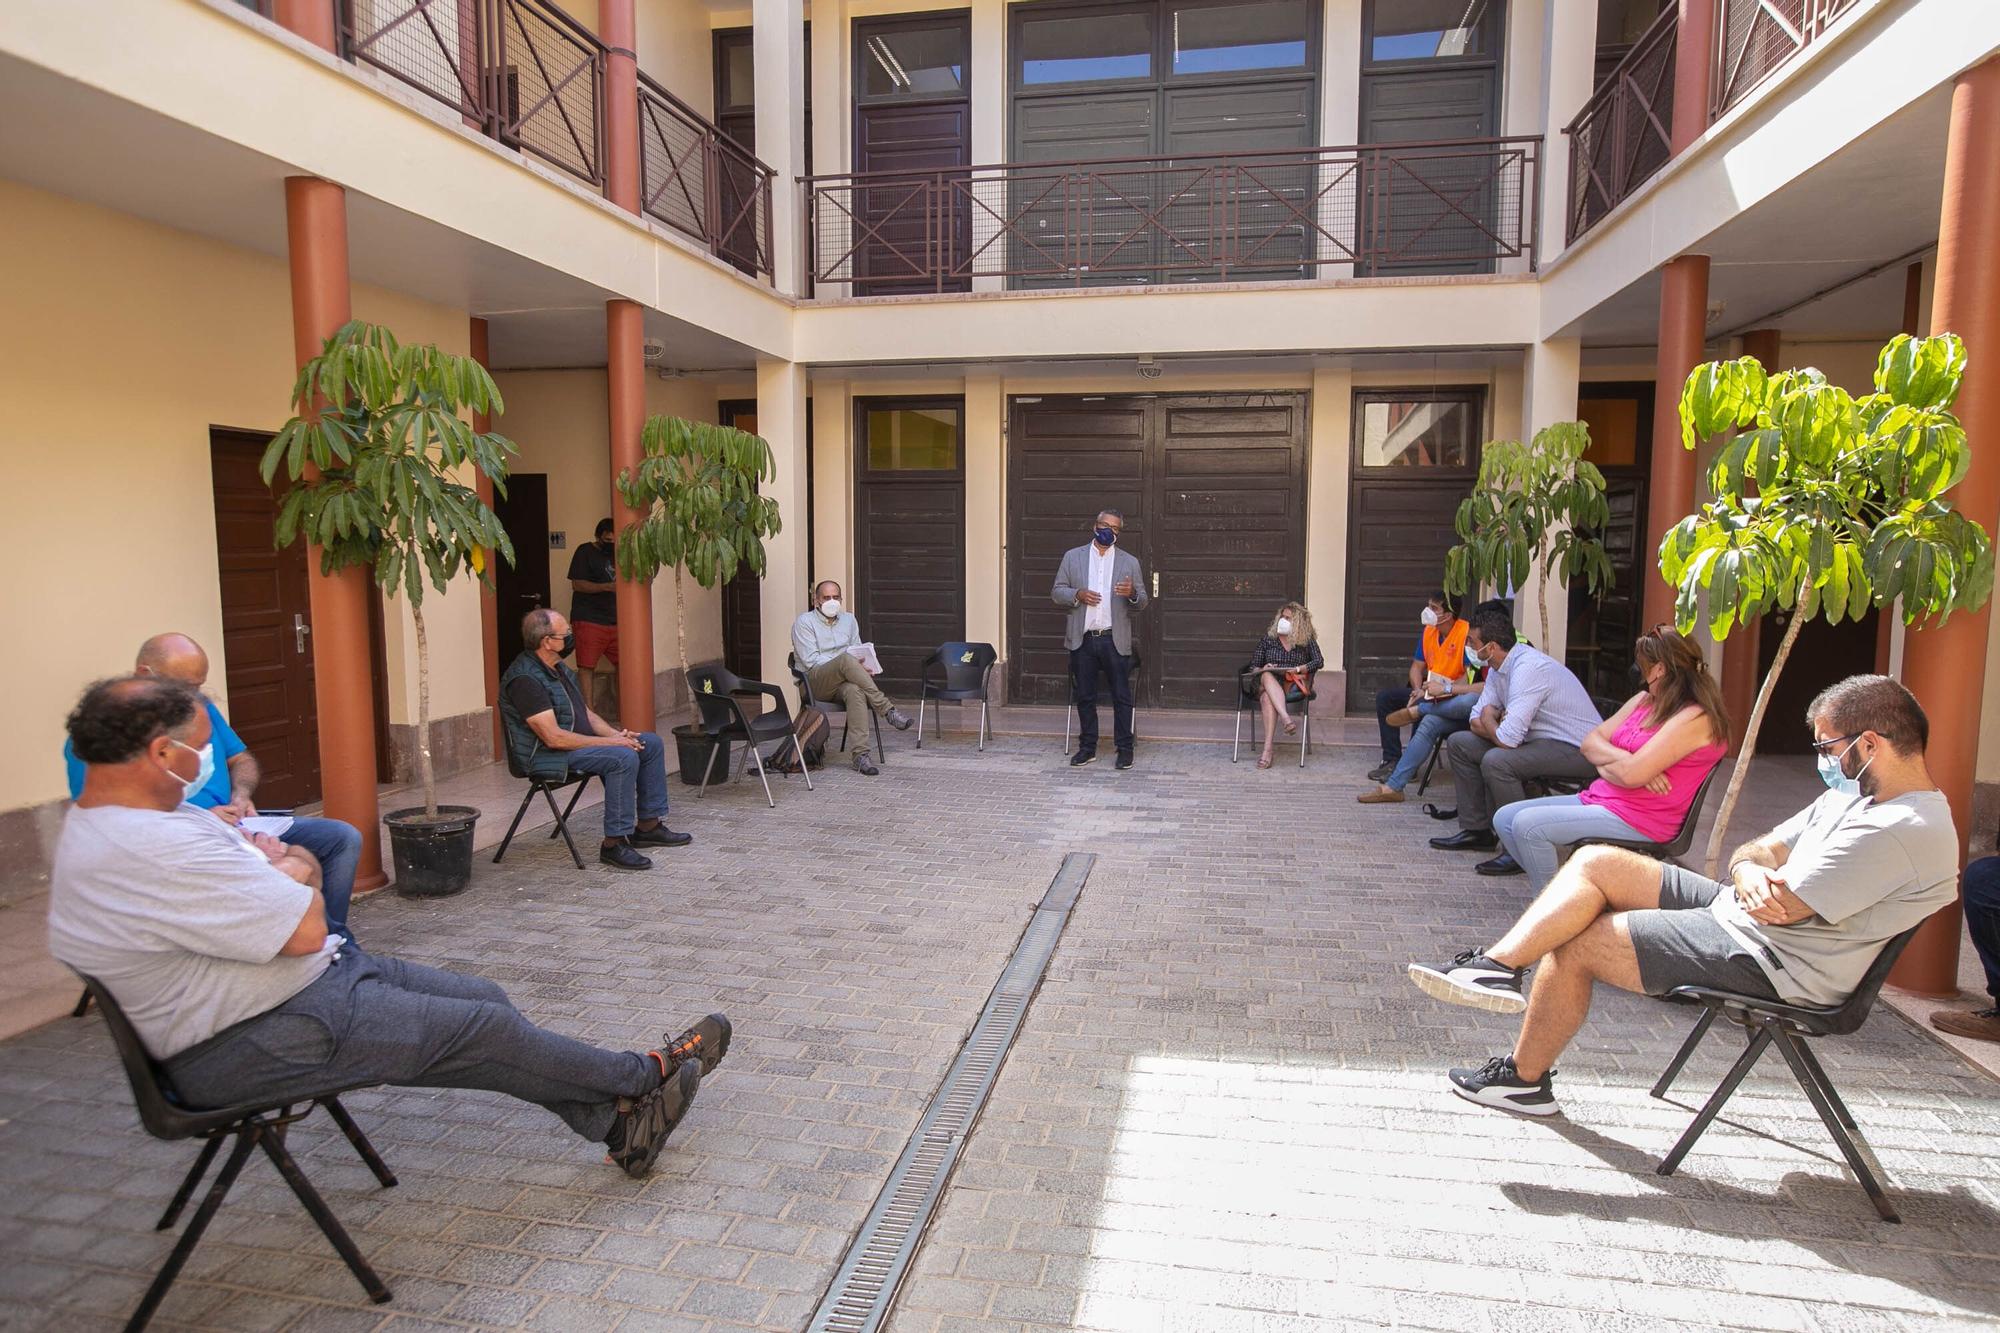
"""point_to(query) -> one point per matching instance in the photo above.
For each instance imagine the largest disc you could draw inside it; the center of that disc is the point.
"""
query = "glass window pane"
(1226, 39)
(1086, 48)
(739, 74)
(923, 62)
(912, 439)
(1431, 29)
(1417, 433)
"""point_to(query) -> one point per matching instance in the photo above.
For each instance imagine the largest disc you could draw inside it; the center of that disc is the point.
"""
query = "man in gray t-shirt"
(1804, 914)
(218, 951)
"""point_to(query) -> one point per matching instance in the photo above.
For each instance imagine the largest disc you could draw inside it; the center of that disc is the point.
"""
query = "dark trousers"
(1388, 701)
(1982, 917)
(1098, 654)
(369, 1020)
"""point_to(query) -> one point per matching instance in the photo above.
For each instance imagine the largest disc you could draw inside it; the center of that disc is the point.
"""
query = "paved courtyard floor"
(1225, 1111)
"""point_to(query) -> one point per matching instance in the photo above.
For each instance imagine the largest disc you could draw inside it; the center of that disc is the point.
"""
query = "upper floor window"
(1086, 46)
(915, 58)
(1401, 30)
(1418, 428)
(1231, 38)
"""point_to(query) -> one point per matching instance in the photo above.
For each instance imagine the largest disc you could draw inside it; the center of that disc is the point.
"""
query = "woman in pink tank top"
(1651, 756)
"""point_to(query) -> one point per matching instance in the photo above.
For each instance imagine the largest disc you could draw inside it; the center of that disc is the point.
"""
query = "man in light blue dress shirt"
(821, 638)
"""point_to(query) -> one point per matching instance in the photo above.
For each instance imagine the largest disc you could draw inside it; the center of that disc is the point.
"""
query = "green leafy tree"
(1533, 514)
(374, 455)
(702, 516)
(1825, 504)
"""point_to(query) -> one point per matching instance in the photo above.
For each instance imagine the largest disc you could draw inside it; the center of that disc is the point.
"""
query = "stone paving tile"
(1225, 1112)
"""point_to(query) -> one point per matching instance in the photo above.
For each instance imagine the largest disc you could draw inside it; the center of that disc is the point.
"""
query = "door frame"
(864, 476)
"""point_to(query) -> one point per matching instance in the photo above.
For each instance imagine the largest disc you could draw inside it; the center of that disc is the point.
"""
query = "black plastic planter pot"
(433, 854)
(694, 746)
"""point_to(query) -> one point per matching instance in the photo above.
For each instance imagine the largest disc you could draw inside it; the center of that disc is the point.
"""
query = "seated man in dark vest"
(220, 956)
(551, 733)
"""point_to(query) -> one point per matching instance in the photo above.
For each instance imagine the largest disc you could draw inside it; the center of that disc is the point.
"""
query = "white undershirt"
(1101, 564)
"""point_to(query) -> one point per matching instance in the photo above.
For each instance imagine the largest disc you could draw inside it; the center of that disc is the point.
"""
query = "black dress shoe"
(1124, 762)
(659, 836)
(620, 856)
(1468, 840)
(1502, 864)
(1082, 757)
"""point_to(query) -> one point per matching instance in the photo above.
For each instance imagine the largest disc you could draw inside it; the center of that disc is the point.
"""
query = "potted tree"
(696, 492)
(373, 455)
(1825, 504)
(1534, 513)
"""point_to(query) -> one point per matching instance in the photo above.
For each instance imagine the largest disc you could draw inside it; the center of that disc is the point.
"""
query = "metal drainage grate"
(865, 1286)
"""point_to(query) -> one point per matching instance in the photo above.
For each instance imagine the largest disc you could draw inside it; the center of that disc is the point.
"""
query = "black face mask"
(568, 643)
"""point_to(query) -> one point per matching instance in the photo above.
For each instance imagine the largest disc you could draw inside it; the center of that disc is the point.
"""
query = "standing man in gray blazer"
(1101, 587)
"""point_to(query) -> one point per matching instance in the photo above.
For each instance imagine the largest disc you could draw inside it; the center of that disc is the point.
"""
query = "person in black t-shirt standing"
(593, 608)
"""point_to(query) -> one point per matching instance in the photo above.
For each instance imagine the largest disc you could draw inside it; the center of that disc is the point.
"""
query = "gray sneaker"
(896, 718)
(864, 765)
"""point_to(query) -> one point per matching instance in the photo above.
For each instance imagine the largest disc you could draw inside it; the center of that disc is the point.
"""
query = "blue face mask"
(202, 774)
(1830, 772)
(1106, 536)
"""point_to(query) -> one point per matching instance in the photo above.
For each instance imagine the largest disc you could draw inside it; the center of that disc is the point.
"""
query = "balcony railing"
(529, 75)
(701, 182)
(1458, 206)
(1625, 131)
(1754, 37)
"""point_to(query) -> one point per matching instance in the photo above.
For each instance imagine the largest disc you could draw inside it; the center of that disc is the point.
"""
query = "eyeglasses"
(1826, 746)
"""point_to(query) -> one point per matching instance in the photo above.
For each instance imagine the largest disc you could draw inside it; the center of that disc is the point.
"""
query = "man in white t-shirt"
(1806, 909)
(218, 952)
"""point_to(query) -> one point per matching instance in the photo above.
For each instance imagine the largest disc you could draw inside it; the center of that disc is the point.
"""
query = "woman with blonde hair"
(1287, 659)
(1651, 758)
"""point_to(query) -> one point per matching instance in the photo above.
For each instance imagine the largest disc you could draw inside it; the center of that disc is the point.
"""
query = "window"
(1085, 47)
(1432, 30)
(907, 61)
(912, 439)
(1212, 38)
(1419, 428)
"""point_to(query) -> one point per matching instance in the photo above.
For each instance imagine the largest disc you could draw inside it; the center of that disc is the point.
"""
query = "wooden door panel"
(1403, 215)
(909, 587)
(897, 218)
(1399, 533)
(524, 585)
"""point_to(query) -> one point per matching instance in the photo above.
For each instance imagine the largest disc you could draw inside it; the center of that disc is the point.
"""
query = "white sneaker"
(1497, 1083)
(1474, 980)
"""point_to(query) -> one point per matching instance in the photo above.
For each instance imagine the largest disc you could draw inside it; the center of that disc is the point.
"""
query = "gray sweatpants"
(369, 1019)
(1489, 776)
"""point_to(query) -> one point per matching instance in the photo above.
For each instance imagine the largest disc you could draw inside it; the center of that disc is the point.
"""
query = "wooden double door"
(1212, 487)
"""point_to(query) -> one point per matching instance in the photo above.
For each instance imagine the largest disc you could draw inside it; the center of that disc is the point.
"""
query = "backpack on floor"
(812, 730)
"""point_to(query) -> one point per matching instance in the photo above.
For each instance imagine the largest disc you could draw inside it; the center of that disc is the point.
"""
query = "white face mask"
(1284, 624)
(1430, 618)
(1473, 658)
(830, 608)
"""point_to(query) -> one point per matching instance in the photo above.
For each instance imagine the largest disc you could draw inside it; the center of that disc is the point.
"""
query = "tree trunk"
(1743, 756)
(425, 773)
(681, 626)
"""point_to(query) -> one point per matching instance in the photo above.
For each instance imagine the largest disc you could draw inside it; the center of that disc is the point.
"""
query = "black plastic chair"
(1675, 847)
(1132, 672)
(260, 1125)
(547, 788)
(1773, 1022)
(955, 673)
(1246, 701)
(724, 720)
(831, 706)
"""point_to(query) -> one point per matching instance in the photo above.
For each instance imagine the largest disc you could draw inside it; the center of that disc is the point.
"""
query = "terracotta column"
(489, 608)
(1944, 666)
(343, 685)
(1694, 58)
(1741, 650)
(618, 27)
(625, 374)
(310, 19)
(1670, 488)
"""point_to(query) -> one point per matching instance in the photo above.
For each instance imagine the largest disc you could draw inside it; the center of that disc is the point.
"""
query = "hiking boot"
(644, 1123)
(659, 836)
(896, 718)
(705, 1043)
(620, 856)
(864, 765)
(1382, 770)
(1474, 980)
(1978, 1024)
(1498, 1084)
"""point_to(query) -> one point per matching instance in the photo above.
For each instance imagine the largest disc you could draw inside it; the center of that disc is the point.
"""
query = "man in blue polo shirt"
(226, 784)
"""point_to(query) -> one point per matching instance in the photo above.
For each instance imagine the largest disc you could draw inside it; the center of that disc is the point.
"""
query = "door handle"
(1156, 583)
(299, 631)
(531, 598)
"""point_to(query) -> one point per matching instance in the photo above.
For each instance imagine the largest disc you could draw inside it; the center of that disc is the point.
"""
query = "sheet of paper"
(865, 652)
(275, 825)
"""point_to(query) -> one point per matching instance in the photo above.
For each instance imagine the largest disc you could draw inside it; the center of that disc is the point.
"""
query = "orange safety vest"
(1447, 657)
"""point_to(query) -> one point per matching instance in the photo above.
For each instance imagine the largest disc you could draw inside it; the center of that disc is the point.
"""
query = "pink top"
(1658, 817)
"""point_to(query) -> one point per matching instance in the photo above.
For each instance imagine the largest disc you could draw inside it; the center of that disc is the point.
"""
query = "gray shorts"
(1682, 944)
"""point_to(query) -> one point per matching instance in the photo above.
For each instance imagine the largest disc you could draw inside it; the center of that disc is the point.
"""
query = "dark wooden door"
(1823, 655)
(898, 221)
(266, 626)
(909, 531)
(1602, 630)
(1212, 489)
(742, 597)
(1415, 457)
(521, 587)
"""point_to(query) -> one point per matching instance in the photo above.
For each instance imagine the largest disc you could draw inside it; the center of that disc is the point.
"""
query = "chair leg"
(881, 750)
(799, 753)
(982, 726)
(1714, 1103)
(1826, 1086)
(188, 1182)
(574, 797)
(1809, 1077)
(923, 694)
(323, 1215)
(758, 760)
(1305, 737)
(246, 1139)
(1236, 742)
(562, 827)
(1681, 1057)
(526, 801)
(82, 1005)
(362, 1146)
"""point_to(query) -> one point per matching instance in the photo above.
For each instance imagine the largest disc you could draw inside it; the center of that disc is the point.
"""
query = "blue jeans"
(1531, 831)
(635, 782)
(1981, 891)
(1434, 723)
(337, 844)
